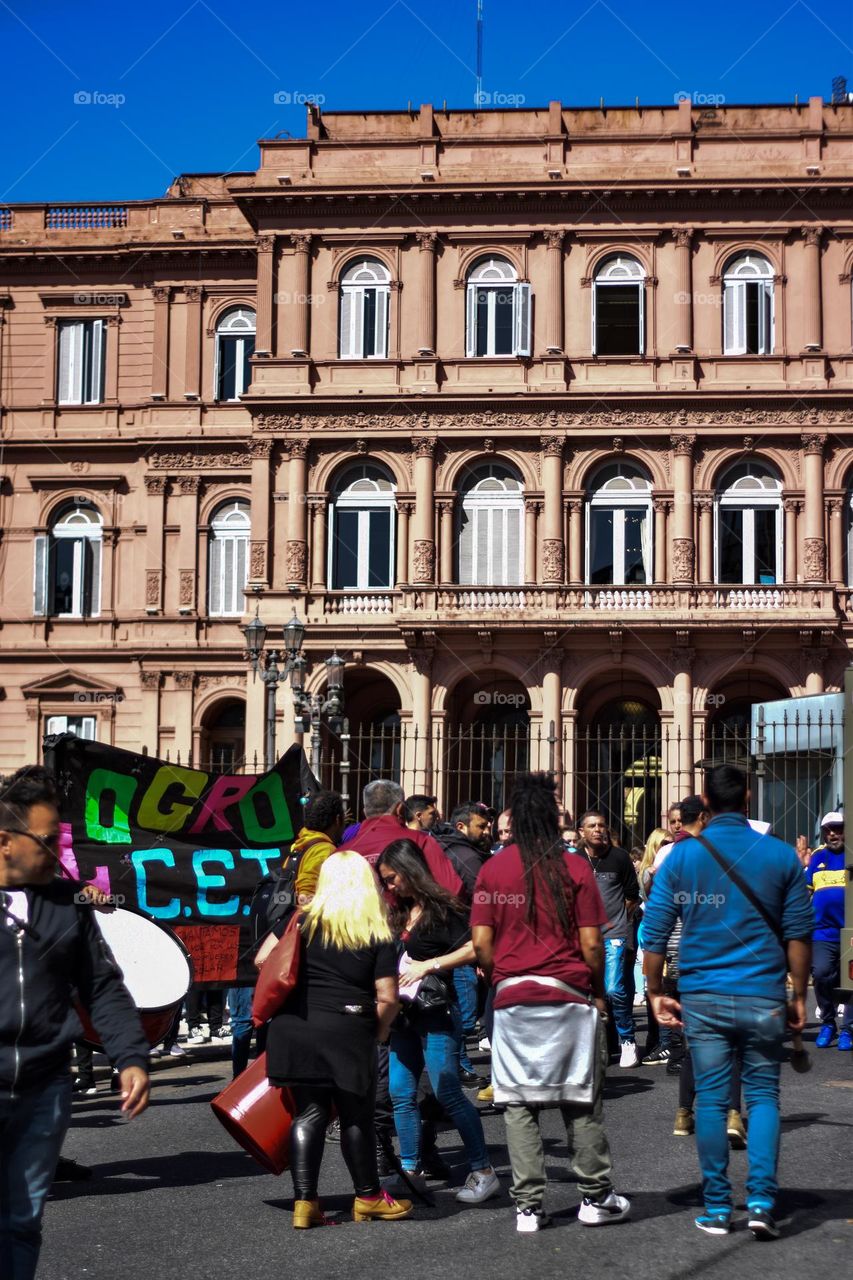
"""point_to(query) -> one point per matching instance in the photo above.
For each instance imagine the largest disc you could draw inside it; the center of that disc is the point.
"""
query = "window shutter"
(594, 295)
(497, 540)
(246, 368)
(765, 318)
(641, 316)
(87, 728)
(465, 544)
(93, 373)
(55, 724)
(228, 575)
(69, 390)
(40, 559)
(734, 324)
(471, 320)
(514, 549)
(95, 566)
(381, 340)
(241, 572)
(359, 306)
(482, 541)
(346, 325)
(214, 584)
(522, 299)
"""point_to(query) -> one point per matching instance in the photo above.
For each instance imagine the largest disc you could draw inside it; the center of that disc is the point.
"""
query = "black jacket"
(466, 856)
(61, 952)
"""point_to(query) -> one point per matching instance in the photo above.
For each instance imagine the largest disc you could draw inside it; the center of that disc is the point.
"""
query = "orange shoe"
(306, 1213)
(381, 1207)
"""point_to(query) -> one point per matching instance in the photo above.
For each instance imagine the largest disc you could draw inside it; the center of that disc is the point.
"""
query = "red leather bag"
(278, 976)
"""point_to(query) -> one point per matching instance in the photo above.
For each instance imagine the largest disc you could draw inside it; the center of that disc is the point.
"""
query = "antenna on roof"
(479, 97)
(839, 89)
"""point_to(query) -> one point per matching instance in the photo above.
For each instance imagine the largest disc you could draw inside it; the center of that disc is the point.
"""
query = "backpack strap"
(752, 899)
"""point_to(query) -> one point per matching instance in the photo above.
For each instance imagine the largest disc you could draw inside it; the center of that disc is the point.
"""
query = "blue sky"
(190, 85)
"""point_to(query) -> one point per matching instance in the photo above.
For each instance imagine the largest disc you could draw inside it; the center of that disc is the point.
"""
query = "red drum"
(258, 1115)
(155, 965)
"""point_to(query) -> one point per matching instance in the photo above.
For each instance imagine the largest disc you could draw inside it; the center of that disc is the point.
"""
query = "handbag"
(278, 975)
(432, 995)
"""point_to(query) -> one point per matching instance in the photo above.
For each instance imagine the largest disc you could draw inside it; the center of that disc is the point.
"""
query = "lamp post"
(311, 708)
(265, 663)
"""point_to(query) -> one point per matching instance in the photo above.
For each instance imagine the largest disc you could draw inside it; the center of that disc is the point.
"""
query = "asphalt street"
(171, 1195)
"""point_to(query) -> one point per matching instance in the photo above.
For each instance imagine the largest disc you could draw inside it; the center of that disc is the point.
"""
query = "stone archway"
(376, 743)
(485, 742)
(223, 736)
(621, 757)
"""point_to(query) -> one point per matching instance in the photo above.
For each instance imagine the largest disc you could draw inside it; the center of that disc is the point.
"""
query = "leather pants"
(308, 1135)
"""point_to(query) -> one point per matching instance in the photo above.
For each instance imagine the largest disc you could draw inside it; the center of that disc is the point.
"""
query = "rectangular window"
(504, 320)
(345, 551)
(635, 553)
(765, 549)
(601, 539)
(81, 726)
(730, 542)
(618, 326)
(379, 548)
(65, 570)
(369, 323)
(80, 374)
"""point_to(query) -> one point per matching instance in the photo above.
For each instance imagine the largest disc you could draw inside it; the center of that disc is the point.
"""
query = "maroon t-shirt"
(500, 902)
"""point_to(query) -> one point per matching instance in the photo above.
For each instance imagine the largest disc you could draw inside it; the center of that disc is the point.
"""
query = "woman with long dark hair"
(435, 938)
(536, 928)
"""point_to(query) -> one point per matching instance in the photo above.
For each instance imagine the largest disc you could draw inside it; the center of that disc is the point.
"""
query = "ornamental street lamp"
(265, 664)
(311, 708)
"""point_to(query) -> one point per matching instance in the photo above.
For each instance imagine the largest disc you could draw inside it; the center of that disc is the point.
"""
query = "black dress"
(313, 1040)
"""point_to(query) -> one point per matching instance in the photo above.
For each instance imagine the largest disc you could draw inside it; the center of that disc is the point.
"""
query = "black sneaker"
(673, 1066)
(763, 1225)
(471, 1080)
(434, 1166)
(656, 1058)
(71, 1171)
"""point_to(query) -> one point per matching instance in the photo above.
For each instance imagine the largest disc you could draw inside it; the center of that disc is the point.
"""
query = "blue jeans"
(720, 1028)
(826, 963)
(619, 985)
(32, 1129)
(433, 1044)
(240, 1004)
(465, 982)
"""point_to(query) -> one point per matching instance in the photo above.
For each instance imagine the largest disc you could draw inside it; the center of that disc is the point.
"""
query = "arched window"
(619, 526)
(748, 306)
(497, 321)
(365, 293)
(228, 558)
(361, 529)
(68, 565)
(749, 525)
(235, 343)
(491, 528)
(618, 307)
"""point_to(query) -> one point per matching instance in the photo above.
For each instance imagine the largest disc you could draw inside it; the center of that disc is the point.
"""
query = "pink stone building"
(541, 417)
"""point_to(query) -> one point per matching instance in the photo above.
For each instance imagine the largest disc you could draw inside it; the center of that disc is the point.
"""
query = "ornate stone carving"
(259, 448)
(422, 660)
(812, 235)
(618, 444)
(553, 560)
(405, 507)
(682, 446)
(161, 293)
(682, 559)
(186, 588)
(488, 445)
(152, 589)
(78, 466)
(236, 459)
(297, 561)
(189, 484)
(298, 448)
(150, 680)
(279, 422)
(749, 444)
(265, 243)
(184, 679)
(427, 241)
(814, 559)
(362, 446)
(156, 485)
(423, 560)
(258, 561)
(552, 446)
(792, 505)
(301, 242)
(554, 239)
(813, 443)
(193, 292)
(423, 446)
(683, 237)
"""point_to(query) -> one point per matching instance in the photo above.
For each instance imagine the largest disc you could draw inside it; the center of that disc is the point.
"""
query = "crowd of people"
(534, 938)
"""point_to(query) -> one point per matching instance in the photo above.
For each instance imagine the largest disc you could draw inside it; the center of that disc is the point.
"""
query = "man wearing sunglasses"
(826, 876)
(50, 948)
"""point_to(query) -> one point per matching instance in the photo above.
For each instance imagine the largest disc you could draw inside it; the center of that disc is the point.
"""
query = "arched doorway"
(728, 726)
(620, 761)
(223, 736)
(486, 741)
(370, 744)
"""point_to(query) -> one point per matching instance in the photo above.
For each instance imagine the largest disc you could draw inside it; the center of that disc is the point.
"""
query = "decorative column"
(683, 238)
(553, 549)
(422, 718)
(423, 559)
(705, 505)
(317, 503)
(260, 451)
(112, 325)
(835, 509)
(554, 306)
(155, 518)
(792, 507)
(150, 711)
(160, 344)
(297, 515)
(550, 665)
(265, 245)
(661, 507)
(445, 509)
(301, 290)
(680, 763)
(576, 541)
(192, 360)
(531, 511)
(812, 327)
(182, 714)
(188, 488)
(426, 292)
(404, 513)
(50, 393)
(814, 544)
(682, 517)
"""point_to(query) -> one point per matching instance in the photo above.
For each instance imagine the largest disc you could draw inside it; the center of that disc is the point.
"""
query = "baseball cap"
(832, 820)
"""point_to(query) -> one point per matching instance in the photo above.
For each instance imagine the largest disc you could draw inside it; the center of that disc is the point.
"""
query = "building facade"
(540, 418)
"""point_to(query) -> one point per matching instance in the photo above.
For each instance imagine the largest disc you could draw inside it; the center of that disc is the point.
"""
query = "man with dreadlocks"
(536, 927)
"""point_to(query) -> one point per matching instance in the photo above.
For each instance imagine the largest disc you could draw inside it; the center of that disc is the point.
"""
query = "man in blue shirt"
(826, 875)
(746, 924)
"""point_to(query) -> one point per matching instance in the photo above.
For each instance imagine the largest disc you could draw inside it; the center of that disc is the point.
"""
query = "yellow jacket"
(312, 848)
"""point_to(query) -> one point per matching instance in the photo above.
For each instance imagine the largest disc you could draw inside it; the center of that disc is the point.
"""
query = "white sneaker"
(596, 1213)
(198, 1036)
(630, 1056)
(177, 1051)
(479, 1187)
(530, 1220)
(485, 1045)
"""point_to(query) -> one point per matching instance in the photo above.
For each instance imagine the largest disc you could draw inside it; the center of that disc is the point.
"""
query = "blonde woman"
(322, 1044)
(645, 871)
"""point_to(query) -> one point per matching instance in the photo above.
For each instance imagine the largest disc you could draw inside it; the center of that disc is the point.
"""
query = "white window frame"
(748, 499)
(239, 323)
(634, 493)
(620, 269)
(230, 528)
(492, 275)
(88, 729)
(80, 380)
(366, 498)
(482, 506)
(359, 278)
(746, 271)
(79, 524)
